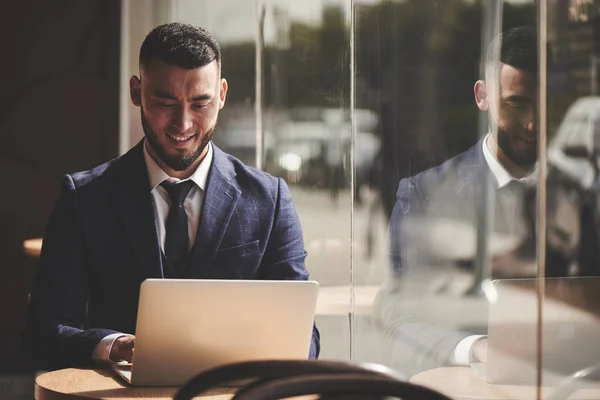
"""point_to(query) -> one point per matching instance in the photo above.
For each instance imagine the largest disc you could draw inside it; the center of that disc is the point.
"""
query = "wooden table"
(33, 247)
(103, 384)
(462, 383)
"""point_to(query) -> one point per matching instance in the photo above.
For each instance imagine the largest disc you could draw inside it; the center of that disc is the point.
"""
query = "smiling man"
(174, 206)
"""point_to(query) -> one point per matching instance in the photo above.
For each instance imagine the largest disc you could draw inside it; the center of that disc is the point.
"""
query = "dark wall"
(59, 108)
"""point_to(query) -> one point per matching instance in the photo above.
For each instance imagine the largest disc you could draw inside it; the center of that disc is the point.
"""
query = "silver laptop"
(570, 330)
(187, 326)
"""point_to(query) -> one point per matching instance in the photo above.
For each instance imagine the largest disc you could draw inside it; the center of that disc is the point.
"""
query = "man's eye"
(200, 106)
(165, 105)
(517, 106)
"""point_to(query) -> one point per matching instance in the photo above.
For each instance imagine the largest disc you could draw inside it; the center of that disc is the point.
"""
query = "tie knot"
(177, 191)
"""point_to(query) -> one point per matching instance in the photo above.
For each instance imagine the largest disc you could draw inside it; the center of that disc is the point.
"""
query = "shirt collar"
(502, 176)
(158, 176)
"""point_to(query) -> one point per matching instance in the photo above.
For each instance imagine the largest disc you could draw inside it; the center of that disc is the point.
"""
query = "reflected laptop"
(570, 330)
(186, 326)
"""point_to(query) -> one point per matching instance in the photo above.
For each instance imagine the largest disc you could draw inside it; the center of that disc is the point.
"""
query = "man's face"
(512, 109)
(179, 110)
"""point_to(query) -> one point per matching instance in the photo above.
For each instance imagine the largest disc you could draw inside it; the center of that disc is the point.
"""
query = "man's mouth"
(527, 138)
(180, 138)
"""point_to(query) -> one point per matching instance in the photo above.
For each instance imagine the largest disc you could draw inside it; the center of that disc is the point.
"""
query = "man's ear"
(481, 95)
(135, 90)
(222, 92)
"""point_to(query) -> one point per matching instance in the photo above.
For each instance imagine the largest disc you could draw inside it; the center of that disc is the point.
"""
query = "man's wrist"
(479, 350)
(463, 352)
(102, 350)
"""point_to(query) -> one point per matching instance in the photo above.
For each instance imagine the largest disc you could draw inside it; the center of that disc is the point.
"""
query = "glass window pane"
(288, 68)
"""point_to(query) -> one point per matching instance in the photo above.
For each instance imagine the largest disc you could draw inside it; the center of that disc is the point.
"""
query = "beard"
(175, 162)
(523, 158)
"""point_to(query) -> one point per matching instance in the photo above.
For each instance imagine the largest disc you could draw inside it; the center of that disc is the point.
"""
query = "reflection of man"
(436, 216)
(506, 157)
(116, 225)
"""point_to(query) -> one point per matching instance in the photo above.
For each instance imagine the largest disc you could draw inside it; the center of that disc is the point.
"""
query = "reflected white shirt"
(501, 175)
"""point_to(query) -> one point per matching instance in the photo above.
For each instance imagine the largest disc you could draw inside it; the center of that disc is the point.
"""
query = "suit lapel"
(137, 212)
(473, 172)
(220, 198)
(477, 176)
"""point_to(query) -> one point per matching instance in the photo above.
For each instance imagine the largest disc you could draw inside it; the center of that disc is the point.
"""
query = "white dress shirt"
(162, 203)
(193, 202)
(463, 352)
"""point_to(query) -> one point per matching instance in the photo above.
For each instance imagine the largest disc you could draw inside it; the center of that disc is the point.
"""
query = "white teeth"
(180, 138)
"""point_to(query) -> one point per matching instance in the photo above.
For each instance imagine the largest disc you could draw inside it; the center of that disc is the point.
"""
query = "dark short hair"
(183, 45)
(517, 47)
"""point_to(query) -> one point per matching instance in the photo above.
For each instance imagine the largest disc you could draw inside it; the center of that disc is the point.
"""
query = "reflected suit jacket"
(452, 190)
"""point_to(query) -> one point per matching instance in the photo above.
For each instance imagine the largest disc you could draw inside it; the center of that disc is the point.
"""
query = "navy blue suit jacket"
(101, 243)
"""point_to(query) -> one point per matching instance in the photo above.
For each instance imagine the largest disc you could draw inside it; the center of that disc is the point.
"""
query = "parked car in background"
(307, 146)
(238, 138)
(313, 147)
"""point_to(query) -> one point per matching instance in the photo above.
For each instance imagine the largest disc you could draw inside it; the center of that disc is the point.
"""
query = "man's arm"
(285, 254)
(405, 245)
(413, 345)
(407, 201)
(54, 333)
(410, 343)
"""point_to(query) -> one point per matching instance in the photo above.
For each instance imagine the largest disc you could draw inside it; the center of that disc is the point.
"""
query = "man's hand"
(480, 351)
(122, 349)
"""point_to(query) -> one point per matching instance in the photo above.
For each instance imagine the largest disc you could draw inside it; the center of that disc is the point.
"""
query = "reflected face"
(513, 113)
(179, 109)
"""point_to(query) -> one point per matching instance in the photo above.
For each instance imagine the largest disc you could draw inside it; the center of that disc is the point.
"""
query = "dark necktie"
(177, 239)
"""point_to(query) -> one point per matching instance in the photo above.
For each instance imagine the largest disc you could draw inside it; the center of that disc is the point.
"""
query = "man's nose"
(530, 126)
(182, 121)
(531, 120)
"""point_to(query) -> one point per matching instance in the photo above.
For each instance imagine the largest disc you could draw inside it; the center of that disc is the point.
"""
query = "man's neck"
(513, 169)
(174, 173)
